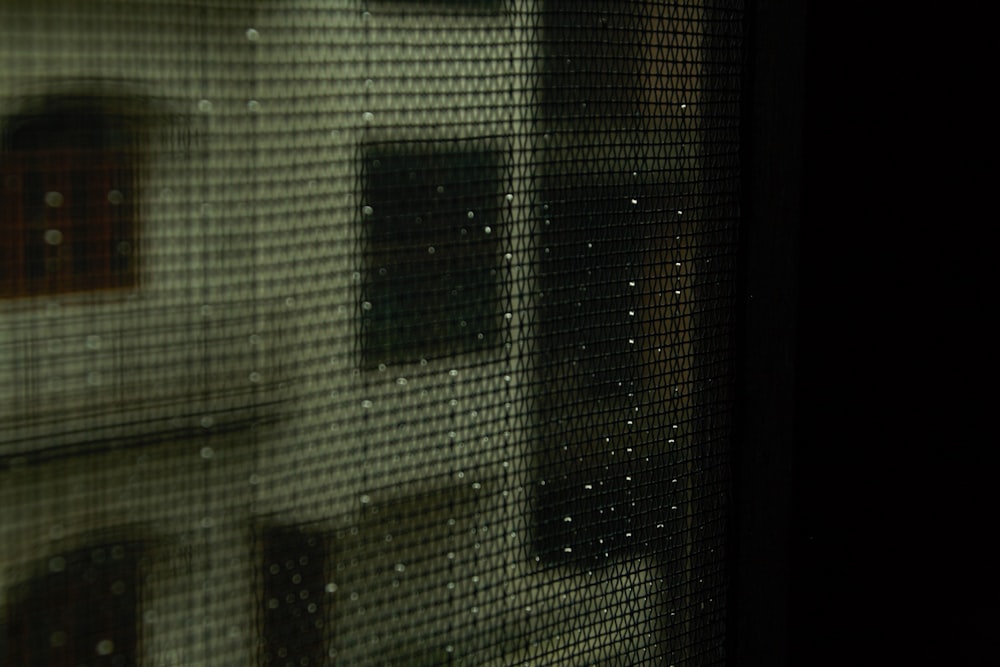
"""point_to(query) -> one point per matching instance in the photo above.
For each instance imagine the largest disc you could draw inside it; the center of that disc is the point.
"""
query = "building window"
(294, 632)
(80, 611)
(68, 205)
(431, 250)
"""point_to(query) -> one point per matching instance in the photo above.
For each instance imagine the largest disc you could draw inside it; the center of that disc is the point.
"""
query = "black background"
(885, 511)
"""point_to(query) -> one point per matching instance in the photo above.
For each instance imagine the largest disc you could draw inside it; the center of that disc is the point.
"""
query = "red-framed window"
(68, 205)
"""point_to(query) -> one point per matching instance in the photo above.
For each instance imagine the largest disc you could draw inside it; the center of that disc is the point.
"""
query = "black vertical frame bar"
(764, 439)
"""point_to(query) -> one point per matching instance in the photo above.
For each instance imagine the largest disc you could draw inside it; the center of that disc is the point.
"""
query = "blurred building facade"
(221, 408)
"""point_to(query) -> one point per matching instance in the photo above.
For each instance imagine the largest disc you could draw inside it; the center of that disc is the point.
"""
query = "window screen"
(396, 332)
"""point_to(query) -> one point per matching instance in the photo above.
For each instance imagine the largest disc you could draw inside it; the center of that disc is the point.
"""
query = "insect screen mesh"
(365, 333)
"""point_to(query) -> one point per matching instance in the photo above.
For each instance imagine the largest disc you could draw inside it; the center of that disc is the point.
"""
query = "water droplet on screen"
(54, 199)
(204, 106)
(253, 106)
(366, 404)
(252, 35)
(105, 647)
(487, 229)
(431, 250)
(207, 452)
(116, 197)
(367, 210)
(368, 116)
(471, 215)
(366, 305)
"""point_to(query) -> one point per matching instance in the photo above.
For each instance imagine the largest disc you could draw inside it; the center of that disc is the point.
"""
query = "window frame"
(99, 131)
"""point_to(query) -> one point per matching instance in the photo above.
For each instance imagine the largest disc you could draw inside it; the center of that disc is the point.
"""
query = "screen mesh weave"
(366, 333)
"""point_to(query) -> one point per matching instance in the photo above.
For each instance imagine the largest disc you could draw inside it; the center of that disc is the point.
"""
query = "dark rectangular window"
(294, 592)
(81, 610)
(431, 252)
(68, 205)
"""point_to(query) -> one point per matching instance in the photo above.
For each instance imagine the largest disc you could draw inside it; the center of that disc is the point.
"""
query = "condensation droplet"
(510, 197)
(431, 250)
(54, 199)
(487, 229)
(252, 35)
(368, 116)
